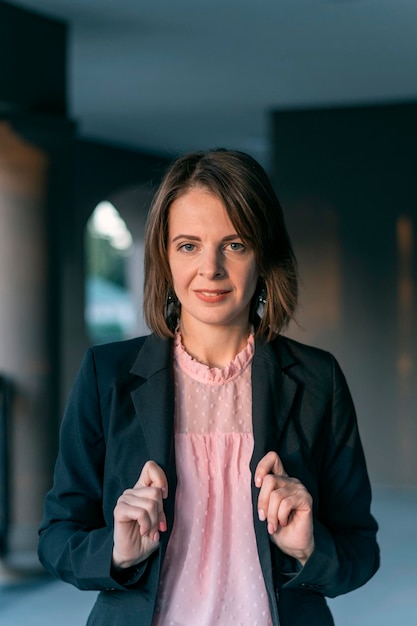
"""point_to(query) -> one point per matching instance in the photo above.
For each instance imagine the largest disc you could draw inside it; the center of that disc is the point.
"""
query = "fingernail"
(271, 529)
(156, 536)
(258, 481)
(162, 526)
(261, 514)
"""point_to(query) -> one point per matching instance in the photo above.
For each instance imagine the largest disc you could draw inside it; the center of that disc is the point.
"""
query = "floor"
(389, 599)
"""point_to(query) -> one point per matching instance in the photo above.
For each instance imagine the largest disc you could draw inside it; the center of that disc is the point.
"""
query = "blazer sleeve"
(346, 553)
(76, 532)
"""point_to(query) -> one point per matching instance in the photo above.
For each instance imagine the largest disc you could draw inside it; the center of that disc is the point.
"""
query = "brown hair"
(254, 210)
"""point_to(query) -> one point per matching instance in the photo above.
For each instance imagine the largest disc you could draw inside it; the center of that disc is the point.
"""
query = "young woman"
(212, 472)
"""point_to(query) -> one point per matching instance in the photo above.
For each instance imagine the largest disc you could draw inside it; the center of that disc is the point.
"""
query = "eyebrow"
(194, 238)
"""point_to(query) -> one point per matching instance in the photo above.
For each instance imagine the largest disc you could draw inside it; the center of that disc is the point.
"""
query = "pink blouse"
(211, 574)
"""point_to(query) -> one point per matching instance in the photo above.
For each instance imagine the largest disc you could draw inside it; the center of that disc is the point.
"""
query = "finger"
(279, 510)
(140, 510)
(145, 505)
(269, 464)
(152, 475)
(270, 484)
(286, 502)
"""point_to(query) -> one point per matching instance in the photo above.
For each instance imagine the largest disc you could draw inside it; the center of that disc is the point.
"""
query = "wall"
(35, 167)
(346, 180)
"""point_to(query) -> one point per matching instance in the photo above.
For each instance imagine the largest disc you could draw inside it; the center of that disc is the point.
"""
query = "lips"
(211, 295)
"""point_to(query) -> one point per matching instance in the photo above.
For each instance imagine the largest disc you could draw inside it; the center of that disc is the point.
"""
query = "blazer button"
(308, 586)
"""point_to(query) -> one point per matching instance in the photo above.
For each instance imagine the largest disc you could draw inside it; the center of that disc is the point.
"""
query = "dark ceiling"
(170, 76)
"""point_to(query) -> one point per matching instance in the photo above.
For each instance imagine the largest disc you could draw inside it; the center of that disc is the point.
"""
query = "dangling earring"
(261, 301)
(171, 306)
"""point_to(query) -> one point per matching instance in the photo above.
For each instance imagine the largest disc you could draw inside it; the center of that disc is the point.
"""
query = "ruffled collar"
(214, 375)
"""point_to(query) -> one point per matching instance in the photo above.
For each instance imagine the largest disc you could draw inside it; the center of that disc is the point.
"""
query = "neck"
(215, 347)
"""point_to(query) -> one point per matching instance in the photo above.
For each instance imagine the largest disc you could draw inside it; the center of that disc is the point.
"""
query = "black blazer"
(120, 415)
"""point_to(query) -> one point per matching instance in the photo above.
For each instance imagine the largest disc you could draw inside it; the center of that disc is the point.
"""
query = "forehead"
(200, 209)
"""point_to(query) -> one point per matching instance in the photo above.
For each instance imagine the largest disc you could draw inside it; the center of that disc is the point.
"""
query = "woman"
(212, 473)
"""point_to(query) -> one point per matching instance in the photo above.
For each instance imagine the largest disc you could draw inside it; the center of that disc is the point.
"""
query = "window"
(110, 313)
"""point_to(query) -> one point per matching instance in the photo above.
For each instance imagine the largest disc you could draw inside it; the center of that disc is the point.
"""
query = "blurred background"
(96, 98)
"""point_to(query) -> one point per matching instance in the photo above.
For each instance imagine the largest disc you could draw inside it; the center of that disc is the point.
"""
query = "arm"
(345, 553)
(76, 533)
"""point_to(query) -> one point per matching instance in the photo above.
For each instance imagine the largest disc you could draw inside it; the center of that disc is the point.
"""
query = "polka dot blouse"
(211, 573)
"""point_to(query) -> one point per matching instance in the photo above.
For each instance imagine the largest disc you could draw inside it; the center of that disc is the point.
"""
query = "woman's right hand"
(139, 517)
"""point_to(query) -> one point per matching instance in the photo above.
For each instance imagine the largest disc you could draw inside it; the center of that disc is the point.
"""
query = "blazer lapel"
(273, 393)
(153, 400)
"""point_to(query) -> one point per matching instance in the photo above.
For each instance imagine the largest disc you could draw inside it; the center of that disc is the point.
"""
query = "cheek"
(252, 280)
(179, 273)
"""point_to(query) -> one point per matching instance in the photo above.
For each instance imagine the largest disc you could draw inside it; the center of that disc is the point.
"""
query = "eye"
(236, 246)
(187, 247)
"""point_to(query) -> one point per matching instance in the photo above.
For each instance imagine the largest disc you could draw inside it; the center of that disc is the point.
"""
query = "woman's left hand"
(286, 505)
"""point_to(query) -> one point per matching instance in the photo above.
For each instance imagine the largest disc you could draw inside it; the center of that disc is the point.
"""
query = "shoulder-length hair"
(254, 210)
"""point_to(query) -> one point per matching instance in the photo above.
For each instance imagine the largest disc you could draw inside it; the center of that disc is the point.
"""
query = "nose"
(212, 264)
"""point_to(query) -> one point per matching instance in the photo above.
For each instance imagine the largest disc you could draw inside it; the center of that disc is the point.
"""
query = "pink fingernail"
(156, 536)
(261, 515)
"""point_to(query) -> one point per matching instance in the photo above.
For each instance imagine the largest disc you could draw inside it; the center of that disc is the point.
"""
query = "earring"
(261, 301)
(171, 306)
